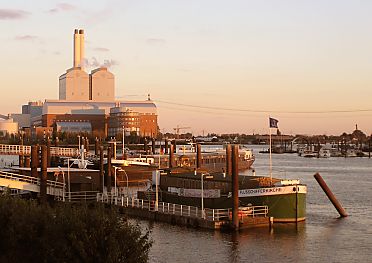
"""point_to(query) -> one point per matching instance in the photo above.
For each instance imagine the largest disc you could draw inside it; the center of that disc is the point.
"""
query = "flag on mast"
(273, 123)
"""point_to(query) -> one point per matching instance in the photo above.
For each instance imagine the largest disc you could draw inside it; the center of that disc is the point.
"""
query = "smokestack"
(76, 49)
(79, 53)
(82, 46)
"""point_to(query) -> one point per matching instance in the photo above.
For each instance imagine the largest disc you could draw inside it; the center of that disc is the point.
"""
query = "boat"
(286, 199)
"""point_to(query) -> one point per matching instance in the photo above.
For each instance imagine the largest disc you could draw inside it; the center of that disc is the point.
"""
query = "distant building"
(8, 126)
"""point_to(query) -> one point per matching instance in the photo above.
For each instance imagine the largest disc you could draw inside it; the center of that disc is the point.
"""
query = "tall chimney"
(82, 46)
(76, 49)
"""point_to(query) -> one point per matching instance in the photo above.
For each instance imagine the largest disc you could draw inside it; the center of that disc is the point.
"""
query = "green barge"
(286, 199)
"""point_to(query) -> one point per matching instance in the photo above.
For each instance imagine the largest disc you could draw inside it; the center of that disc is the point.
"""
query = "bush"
(64, 233)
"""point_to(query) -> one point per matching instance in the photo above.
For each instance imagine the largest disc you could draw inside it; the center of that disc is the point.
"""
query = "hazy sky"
(235, 62)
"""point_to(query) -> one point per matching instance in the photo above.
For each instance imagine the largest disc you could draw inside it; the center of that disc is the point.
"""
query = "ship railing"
(182, 210)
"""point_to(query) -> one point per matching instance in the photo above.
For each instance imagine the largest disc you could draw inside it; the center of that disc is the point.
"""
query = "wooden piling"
(21, 161)
(171, 156)
(153, 145)
(235, 187)
(43, 174)
(198, 156)
(109, 168)
(27, 161)
(49, 157)
(56, 142)
(34, 160)
(96, 147)
(145, 145)
(330, 195)
(174, 146)
(166, 146)
(228, 160)
(101, 169)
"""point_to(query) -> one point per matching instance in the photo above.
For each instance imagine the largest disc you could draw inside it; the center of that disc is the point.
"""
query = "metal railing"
(184, 210)
(29, 179)
(81, 196)
(8, 149)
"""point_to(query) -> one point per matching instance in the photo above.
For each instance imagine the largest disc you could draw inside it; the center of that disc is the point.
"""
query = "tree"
(66, 233)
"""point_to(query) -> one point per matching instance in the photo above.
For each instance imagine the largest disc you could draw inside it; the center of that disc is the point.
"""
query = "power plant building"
(87, 103)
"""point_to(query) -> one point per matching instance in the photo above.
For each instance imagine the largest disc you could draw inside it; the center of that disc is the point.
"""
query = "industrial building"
(87, 104)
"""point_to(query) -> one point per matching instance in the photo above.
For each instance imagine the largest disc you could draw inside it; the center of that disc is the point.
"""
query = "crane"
(177, 130)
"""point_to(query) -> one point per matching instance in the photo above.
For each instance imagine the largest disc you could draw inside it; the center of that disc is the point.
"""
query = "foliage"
(64, 233)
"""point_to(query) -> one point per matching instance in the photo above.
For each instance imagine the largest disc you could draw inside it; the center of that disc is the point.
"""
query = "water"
(322, 238)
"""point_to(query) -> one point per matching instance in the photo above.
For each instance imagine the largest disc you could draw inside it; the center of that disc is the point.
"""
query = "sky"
(215, 66)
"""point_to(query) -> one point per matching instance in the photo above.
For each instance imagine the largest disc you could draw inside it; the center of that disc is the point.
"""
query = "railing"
(26, 150)
(82, 196)
(29, 179)
(184, 210)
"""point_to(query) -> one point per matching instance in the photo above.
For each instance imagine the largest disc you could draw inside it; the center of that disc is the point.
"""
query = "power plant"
(87, 104)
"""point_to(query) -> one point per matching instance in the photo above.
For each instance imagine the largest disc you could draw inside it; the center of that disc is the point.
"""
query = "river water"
(322, 238)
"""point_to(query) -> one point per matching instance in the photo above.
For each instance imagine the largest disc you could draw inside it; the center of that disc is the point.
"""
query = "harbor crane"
(177, 130)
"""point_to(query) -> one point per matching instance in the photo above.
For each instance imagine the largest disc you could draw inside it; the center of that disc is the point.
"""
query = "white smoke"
(95, 63)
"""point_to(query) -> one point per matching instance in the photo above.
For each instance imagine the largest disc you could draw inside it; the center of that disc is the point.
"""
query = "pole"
(34, 160)
(171, 156)
(198, 156)
(123, 143)
(270, 158)
(330, 195)
(79, 141)
(108, 176)
(228, 159)
(235, 187)
(202, 195)
(156, 190)
(68, 179)
(101, 169)
(43, 174)
(115, 188)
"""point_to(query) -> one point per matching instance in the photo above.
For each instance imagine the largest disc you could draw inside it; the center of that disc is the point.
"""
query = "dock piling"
(235, 187)
(198, 156)
(43, 174)
(228, 159)
(34, 160)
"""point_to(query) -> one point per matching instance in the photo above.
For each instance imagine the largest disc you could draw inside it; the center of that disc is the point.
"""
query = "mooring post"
(198, 156)
(56, 142)
(49, 158)
(166, 146)
(171, 156)
(109, 168)
(96, 147)
(174, 146)
(21, 161)
(145, 145)
(330, 195)
(228, 159)
(87, 144)
(43, 174)
(153, 145)
(235, 187)
(34, 160)
(101, 169)
(27, 161)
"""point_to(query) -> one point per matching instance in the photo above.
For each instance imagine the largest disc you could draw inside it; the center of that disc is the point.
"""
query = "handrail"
(26, 150)
(29, 179)
(184, 210)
